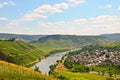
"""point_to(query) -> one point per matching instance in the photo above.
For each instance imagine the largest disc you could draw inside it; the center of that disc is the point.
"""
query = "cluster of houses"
(97, 57)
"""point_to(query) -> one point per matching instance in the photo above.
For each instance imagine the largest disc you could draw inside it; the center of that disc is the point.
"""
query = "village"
(97, 57)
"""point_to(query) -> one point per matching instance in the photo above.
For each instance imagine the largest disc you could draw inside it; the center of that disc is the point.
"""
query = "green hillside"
(114, 46)
(19, 52)
(70, 40)
(115, 36)
(10, 71)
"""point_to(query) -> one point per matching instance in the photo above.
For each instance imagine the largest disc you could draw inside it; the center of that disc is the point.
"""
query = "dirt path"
(60, 66)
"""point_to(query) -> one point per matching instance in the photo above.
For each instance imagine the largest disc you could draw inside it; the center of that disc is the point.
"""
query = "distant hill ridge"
(115, 36)
(27, 38)
(73, 40)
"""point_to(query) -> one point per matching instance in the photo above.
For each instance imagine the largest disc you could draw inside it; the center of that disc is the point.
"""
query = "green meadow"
(66, 75)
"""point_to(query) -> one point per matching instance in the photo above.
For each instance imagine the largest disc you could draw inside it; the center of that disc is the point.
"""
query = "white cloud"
(12, 23)
(57, 8)
(11, 3)
(52, 24)
(102, 19)
(43, 11)
(32, 16)
(2, 19)
(106, 6)
(80, 21)
(92, 26)
(46, 9)
(61, 5)
(118, 7)
(100, 29)
(75, 2)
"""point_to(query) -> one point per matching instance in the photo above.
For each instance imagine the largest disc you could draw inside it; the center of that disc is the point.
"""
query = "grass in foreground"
(10, 71)
(67, 75)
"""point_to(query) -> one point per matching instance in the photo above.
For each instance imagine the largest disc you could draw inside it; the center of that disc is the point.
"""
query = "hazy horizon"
(66, 17)
(62, 34)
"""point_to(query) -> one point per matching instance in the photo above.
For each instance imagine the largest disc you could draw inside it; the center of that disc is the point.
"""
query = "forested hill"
(115, 36)
(29, 38)
(72, 40)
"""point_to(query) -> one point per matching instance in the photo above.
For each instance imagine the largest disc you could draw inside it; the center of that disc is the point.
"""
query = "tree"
(92, 69)
(103, 73)
(110, 74)
(36, 68)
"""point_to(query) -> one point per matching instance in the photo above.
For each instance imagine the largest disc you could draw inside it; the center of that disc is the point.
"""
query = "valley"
(59, 39)
(51, 54)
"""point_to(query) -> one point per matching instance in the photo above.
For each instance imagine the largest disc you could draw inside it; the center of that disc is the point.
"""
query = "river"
(45, 63)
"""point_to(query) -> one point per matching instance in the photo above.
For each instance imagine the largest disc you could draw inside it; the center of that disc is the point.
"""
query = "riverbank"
(44, 64)
(60, 66)
(32, 63)
(45, 56)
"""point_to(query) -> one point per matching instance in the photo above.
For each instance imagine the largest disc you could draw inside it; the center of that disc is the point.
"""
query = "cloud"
(13, 24)
(98, 19)
(56, 8)
(118, 7)
(75, 2)
(100, 29)
(63, 27)
(32, 16)
(46, 9)
(106, 6)
(80, 21)
(43, 11)
(92, 26)
(102, 19)
(11, 3)
(3, 19)
(52, 24)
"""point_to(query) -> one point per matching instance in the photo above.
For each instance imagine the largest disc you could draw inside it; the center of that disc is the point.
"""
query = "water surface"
(45, 63)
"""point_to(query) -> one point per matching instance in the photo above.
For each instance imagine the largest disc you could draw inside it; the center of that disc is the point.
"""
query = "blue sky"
(79, 17)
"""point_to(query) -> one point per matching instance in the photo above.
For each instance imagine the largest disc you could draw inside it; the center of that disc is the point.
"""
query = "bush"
(36, 69)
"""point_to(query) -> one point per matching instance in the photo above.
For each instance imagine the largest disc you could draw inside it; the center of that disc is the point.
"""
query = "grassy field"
(67, 75)
(10, 71)
(106, 69)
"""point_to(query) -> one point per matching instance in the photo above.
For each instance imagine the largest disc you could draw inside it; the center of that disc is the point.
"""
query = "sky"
(71, 17)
